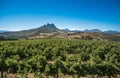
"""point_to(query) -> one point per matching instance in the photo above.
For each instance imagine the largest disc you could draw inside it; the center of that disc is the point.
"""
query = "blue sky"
(18, 15)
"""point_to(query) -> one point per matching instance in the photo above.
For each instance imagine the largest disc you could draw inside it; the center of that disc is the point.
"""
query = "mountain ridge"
(50, 26)
(3, 31)
(51, 31)
(93, 30)
(47, 28)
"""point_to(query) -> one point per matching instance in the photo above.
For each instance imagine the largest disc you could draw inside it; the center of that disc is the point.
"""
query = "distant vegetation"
(44, 58)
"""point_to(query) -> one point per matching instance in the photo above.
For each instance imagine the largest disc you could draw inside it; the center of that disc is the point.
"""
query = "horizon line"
(71, 29)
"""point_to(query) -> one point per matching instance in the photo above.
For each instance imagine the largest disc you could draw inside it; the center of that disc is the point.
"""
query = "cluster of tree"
(50, 57)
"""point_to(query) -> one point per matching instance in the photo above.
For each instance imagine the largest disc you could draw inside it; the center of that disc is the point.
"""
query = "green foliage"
(49, 57)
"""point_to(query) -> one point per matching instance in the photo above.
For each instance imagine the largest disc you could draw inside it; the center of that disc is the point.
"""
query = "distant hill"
(93, 30)
(111, 32)
(51, 31)
(66, 30)
(3, 31)
(48, 28)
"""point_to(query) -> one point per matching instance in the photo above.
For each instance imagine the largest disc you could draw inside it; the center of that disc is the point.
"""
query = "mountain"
(93, 30)
(48, 28)
(112, 32)
(66, 30)
(51, 31)
(3, 31)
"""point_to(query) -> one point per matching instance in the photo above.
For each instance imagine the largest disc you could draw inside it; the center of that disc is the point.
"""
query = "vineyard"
(58, 58)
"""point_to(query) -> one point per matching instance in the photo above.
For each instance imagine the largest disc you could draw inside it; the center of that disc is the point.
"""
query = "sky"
(16, 15)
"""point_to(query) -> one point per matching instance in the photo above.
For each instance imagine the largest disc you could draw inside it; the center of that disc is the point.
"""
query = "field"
(59, 58)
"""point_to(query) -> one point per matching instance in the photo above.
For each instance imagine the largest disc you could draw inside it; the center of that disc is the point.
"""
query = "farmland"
(45, 58)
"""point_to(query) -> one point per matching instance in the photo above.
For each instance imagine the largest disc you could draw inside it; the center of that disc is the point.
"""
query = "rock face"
(48, 28)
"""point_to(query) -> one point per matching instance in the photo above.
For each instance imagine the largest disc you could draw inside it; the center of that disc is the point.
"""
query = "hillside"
(48, 28)
(51, 31)
(88, 36)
